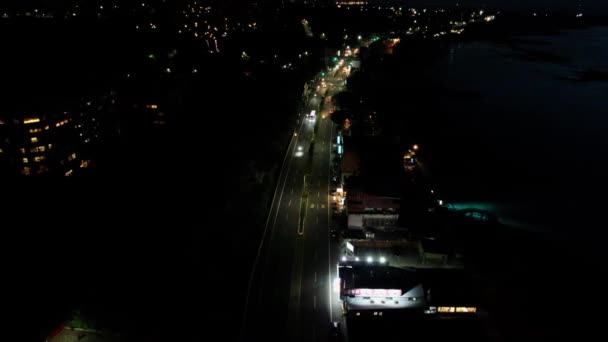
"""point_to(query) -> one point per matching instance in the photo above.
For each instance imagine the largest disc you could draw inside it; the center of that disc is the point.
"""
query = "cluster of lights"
(369, 259)
(200, 24)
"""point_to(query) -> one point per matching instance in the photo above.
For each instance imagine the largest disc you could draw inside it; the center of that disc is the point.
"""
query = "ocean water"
(530, 140)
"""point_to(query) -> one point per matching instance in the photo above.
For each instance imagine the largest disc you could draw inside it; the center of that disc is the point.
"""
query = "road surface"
(290, 297)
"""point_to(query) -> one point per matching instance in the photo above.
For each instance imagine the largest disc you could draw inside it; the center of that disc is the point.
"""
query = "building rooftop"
(359, 202)
(376, 276)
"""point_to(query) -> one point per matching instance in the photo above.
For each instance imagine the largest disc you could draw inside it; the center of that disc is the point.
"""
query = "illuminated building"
(373, 289)
(40, 142)
(449, 293)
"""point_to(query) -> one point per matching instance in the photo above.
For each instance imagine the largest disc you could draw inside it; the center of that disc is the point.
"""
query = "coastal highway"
(290, 295)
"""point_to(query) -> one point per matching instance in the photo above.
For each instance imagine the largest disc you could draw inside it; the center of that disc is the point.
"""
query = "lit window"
(2, 122)
(38, 159)
(466, 309)
(35, 130)
(84, 164)
(31, 120)
(446, 309)
(26, 171)
(22, 150)
(50, 146)
(72, 157)
(34, 139)
(46, 128)
(69, 173)
(25, 160)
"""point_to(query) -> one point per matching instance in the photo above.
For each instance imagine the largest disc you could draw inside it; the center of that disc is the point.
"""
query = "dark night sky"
(498, 3)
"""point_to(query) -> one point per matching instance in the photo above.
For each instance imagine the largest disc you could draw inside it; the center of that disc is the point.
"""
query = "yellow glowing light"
(31, 120)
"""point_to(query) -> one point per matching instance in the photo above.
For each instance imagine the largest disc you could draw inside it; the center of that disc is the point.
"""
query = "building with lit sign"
(371, 288)
(449, 293)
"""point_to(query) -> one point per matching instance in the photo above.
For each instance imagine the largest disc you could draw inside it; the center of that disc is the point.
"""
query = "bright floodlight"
(415, 147)
(440, 202)
(382, 260)
(370, 259)
(299, 148)
(343, 258)
(356, 258)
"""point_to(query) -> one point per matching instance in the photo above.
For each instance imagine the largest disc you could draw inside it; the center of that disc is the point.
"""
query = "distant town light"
(370, 259)
(31, 120)
(382, 260)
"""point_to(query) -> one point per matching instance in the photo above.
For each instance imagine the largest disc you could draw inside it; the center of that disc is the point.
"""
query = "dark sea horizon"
(527, 140)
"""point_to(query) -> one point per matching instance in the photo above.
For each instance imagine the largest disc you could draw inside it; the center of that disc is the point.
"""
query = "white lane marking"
(315, 276)
(331, 314)
(314, 302)
(289, 204)
(292, 191)
(258, 253)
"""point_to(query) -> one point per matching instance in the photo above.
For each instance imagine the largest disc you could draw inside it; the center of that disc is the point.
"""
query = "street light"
(382, 260)
(415, 147)
(370, 259)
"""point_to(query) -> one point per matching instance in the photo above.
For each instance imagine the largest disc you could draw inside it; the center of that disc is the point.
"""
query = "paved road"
(290, 297)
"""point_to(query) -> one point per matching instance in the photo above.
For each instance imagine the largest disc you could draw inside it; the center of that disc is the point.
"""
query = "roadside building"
(372, 175)
(449, 293)
(368, 288)
(367, 210)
